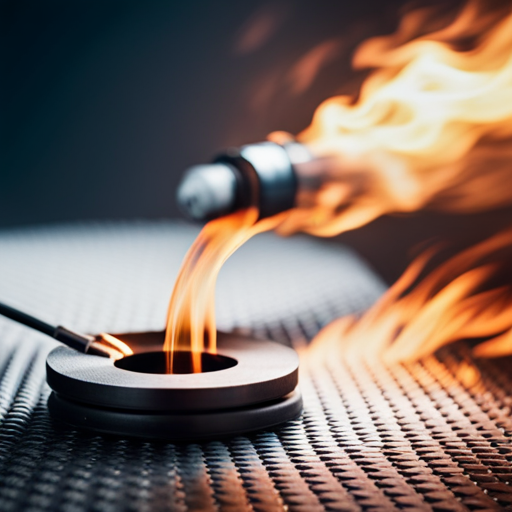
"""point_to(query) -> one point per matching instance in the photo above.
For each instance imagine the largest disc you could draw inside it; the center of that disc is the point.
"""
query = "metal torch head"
(260, 175)
(207, 191)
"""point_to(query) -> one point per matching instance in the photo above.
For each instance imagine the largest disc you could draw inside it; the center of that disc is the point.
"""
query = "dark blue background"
(105, 103)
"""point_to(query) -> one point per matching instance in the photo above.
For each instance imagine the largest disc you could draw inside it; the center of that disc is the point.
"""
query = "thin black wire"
(72, 339)
(28, 320)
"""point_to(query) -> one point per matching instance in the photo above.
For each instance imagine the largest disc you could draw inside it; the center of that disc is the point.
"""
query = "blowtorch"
(262, 174)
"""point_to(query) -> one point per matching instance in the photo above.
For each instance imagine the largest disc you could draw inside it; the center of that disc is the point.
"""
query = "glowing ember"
(114, 346)
(431, 128)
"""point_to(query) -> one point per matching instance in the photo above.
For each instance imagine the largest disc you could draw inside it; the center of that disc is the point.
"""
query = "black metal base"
(259, 390)
(180, 425)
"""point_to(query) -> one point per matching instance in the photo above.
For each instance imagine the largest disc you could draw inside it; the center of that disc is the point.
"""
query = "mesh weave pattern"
(421, 436)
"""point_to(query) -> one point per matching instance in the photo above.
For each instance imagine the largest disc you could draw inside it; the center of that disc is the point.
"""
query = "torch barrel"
(260, 175)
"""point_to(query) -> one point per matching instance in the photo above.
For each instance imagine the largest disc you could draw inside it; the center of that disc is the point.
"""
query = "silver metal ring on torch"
(260, 175)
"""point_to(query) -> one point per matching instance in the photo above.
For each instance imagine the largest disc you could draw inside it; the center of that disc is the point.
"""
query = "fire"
(191, 315)
(430, 128)
(458, 300)
(114, 346)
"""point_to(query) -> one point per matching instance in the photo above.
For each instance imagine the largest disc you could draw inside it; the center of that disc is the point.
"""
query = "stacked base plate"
(250, 385)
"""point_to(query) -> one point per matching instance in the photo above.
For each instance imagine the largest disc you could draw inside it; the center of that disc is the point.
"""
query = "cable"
(80, 342)
(29, 321)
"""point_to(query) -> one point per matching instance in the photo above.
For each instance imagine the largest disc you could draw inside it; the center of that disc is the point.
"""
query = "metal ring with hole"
(264, 371)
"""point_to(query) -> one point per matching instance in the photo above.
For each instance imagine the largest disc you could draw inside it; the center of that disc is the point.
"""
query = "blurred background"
(105, 103)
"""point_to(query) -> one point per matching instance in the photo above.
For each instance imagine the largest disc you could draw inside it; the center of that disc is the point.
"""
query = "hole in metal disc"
(156, 362)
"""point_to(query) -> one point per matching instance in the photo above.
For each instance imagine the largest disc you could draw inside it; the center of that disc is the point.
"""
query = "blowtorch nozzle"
(260, 175)
(207, 191)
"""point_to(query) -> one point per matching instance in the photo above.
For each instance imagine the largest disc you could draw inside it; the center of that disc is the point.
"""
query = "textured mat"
(434, 435)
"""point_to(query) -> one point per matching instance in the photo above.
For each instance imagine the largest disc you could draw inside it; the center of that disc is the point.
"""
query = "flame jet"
(430, 128)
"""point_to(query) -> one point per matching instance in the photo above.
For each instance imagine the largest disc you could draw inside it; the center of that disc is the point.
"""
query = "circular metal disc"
(265, 371)
(174, 425)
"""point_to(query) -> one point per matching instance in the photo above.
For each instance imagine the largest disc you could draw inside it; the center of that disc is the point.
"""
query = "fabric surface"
(421, 436)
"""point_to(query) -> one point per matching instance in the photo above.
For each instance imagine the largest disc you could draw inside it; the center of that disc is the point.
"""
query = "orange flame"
(453, 302)
(191, 314)
(113, 346)
(431, 128)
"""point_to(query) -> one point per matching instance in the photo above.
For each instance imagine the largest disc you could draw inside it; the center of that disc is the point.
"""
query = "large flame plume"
(430, 128)
(463, 298)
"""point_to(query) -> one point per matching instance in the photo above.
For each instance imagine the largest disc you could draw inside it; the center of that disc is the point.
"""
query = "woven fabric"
(421, 436)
